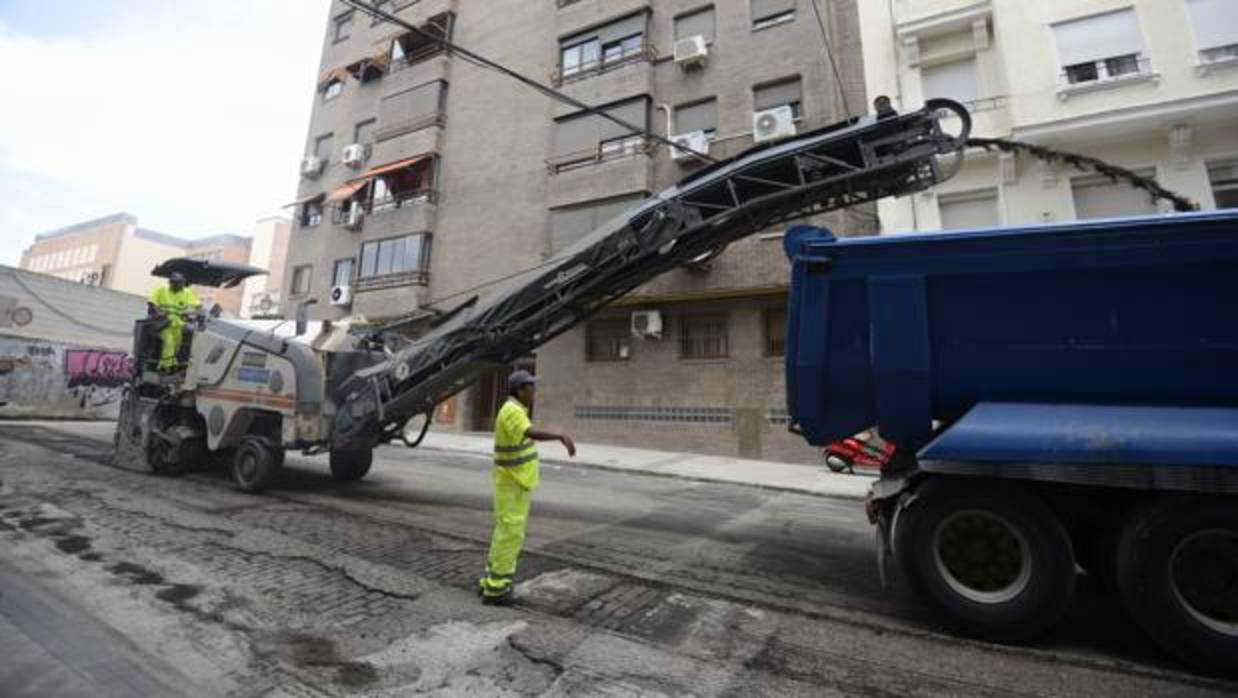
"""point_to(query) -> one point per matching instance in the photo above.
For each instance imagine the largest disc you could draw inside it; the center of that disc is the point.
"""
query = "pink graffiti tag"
(94, 368)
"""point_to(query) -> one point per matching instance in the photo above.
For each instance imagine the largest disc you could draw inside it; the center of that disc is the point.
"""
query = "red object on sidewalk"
(863, 450)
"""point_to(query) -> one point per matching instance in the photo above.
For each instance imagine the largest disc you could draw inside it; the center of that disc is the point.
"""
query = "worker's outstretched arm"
(540, 435)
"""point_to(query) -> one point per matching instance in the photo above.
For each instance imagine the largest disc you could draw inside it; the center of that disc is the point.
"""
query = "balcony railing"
(1105, 70)
(605, 64)
(400, 128)
(610, 150)
(394, 202)
(419, 277)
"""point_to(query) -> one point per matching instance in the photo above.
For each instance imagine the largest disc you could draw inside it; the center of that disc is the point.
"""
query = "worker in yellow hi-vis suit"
(515, 477)
(174, 302)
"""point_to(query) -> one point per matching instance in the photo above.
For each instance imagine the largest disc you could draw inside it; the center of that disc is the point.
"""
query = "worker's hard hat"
(176, 276)
(520, 379)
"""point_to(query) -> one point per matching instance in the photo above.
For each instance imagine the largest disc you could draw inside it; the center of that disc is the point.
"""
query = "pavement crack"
(337, 569)
(524, 651)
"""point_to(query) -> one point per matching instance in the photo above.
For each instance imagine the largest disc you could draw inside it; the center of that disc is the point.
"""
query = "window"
(1224, 178)
(343, 27)
(322, 147)
(775, 321)
(578, 57)
(769, 13)
(970, 210)
(582, 138)
(701, 116)
(411, 110)
(612, 44)
(1216, 29)
(1100, 47)
(608, 339)
(363, 132)
(704, 337)
(333, 90)
(414, 47)
(311, 213)
(341, 274)
(403, 255)
(571, 223)
(1097, 197)
(301, 277)
(784, 93)
(697, 23)
(957, 81)
(626, 47)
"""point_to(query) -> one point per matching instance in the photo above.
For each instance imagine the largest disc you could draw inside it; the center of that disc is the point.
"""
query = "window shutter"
(974, 211)
(396, 108)
(568, 225)
(763, 9)
(632, 24)
(702, 116)
(1216, 22)
(575, 134)
(955, 80)
(699, 23)
(1097, 197)
(778, 94)
(1095, 38)
(635, 112)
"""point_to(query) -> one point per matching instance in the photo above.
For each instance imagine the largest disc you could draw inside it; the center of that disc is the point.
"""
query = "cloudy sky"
(190, 114)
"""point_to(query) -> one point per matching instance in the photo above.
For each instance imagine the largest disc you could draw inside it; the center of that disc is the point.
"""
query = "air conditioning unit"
(689, 144)
(691, 52)
(355, 217)
(354, 155)
(341, 296)
(311, 166)
(773, 124)
(647, 323)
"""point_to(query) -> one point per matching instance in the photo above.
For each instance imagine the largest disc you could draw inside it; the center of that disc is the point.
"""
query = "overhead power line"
(829, 53)
(483, 62)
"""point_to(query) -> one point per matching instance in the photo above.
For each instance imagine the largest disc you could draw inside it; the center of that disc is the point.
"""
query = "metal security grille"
(778, 417)
(704, 337)
(608, 340)
(692, 415)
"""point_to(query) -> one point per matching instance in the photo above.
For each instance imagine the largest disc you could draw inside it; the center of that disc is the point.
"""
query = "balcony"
(613, 169)
(644, 53)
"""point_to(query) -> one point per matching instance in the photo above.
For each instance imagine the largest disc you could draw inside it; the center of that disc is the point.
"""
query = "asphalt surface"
(631, 585)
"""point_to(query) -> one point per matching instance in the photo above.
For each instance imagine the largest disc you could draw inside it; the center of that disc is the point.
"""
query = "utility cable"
(483, 62)
(829, 52)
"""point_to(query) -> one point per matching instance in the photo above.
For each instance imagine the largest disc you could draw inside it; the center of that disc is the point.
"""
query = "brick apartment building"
(426, 176)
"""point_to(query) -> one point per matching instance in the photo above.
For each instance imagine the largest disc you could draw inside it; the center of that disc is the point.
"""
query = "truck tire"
(1177, 574)
(350, 466)
(993, 559)
(255, 463)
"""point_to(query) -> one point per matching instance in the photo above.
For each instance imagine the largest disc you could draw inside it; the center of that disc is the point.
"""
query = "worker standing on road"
(515, 476)
(175, 303)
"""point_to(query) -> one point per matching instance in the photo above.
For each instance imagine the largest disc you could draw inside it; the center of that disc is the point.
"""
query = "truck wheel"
(1177, 573)
(993, 559)
(350, 466)
(255, 464)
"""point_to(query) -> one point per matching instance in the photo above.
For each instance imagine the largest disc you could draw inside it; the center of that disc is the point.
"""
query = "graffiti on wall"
(95, 368)
(48, 380)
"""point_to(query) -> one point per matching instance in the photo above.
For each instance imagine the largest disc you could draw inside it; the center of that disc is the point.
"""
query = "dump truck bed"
(904, 331)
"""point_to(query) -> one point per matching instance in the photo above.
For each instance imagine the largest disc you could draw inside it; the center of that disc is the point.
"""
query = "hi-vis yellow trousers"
(511, 520)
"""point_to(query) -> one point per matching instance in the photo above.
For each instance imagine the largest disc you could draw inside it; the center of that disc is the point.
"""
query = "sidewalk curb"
(666, 475)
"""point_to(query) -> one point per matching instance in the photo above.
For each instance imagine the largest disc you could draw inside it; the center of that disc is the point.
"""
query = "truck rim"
(1203, 572)
(982, 556)
(247, 466)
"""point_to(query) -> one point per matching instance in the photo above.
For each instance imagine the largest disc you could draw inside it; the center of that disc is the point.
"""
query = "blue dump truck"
(1064, 398)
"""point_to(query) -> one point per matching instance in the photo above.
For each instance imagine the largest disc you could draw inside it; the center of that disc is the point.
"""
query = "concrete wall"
(63, 346)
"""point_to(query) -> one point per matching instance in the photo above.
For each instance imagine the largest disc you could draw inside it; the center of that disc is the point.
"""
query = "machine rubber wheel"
(1177, 573)
(350, 466)
(839, 465)
(255, 464)
(993, 559)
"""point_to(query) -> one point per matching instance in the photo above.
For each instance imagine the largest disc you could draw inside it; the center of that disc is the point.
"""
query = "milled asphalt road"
(632, 585)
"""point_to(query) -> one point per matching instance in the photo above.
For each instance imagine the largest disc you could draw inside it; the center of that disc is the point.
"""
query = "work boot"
(504, 599)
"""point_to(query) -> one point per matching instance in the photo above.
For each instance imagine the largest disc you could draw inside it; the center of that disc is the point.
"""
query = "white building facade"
(1149, 85)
